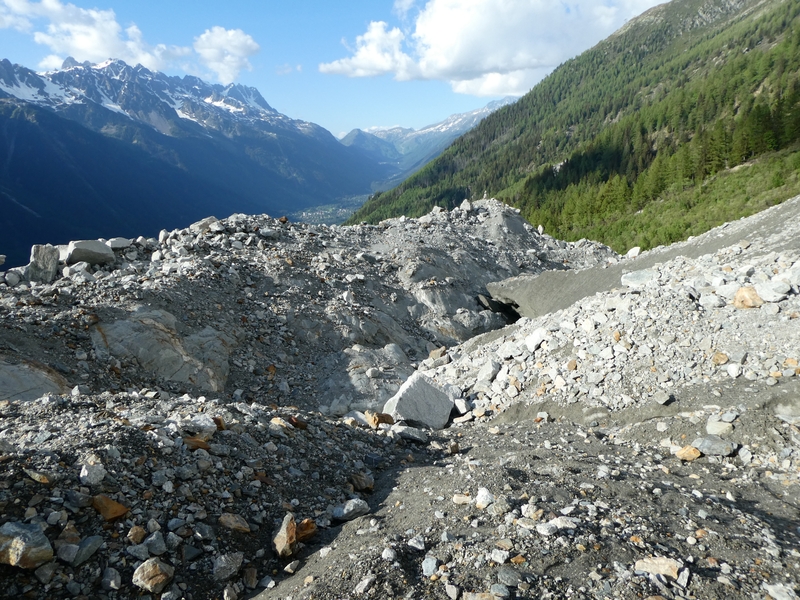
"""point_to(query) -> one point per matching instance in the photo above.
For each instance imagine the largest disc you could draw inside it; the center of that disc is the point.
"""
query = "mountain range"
(104, 150)
(407, 149)
(685, 118)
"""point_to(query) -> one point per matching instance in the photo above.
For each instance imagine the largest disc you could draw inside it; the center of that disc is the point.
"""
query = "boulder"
(153, 575)
(352, 509)
(151, 337)
(747, 297)
(773, 291)
(93, 252)
(638, 279)
(420, 400)
(43, 265)
(713, 445)
(285, 540)
(29, 381)
(119, 243)
(203, 225)
(24, 546)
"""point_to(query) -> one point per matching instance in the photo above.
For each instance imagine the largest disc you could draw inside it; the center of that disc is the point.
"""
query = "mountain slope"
(409, 149)
(660, 112)
(224, 148)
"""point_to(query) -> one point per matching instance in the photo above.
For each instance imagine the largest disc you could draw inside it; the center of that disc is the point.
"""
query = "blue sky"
(343, 65)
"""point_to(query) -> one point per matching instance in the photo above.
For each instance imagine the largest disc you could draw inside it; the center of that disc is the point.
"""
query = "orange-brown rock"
(137, 534)
(374, 419)
(108, 508)
(306, 529)
(195, 443)
(719, 358)
(688, 453)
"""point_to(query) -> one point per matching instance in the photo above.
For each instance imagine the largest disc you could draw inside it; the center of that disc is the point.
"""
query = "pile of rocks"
(254, 408)
(265, 306)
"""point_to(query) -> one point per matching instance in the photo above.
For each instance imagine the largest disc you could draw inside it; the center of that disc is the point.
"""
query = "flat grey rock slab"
(28, 381)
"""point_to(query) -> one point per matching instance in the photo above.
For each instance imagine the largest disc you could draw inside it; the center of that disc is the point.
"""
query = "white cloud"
(225, 51)
(287, 69)
(96, 35)
(403, 7)
(378, 51)
(485, 47)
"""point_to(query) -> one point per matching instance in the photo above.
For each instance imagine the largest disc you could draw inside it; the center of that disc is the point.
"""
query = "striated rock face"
(151, 338)
(29, 380)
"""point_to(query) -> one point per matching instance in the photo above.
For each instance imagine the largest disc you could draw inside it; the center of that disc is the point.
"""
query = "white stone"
(93, 252)
(639, 279)
(534, 340)
(420, 400)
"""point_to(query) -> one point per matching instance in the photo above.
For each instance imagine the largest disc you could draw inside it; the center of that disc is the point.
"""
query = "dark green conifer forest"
(686, 118)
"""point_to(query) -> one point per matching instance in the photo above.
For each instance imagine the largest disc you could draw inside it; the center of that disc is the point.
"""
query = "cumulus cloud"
(225, 51)
(378, 51)
(484, 47)
(96, 35)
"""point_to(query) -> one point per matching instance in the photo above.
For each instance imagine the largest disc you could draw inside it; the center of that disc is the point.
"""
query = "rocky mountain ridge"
(252, 408)
(81, 148)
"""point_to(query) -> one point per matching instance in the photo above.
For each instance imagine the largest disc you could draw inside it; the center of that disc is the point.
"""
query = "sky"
(360, 64)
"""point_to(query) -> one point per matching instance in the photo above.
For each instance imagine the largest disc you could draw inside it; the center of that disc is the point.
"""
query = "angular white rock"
(420, 400)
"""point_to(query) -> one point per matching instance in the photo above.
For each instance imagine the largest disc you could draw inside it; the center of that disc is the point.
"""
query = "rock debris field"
(253, 408)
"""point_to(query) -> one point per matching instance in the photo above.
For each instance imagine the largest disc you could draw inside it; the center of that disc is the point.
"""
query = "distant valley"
(104, 150)
(408, 150)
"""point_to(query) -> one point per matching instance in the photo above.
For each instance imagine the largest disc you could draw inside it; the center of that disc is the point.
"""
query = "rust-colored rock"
(747, 297)
(234, 522)
(109, 509)
(306, 529)
(374, 419)
(719, 358)
(137, 534)
(196, 443)
(297, 423)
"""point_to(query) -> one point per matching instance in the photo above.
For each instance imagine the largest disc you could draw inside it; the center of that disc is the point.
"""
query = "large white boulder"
(93, 252)
(421, 400)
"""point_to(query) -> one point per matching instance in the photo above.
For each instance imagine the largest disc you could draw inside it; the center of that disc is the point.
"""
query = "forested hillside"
(687, 117)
